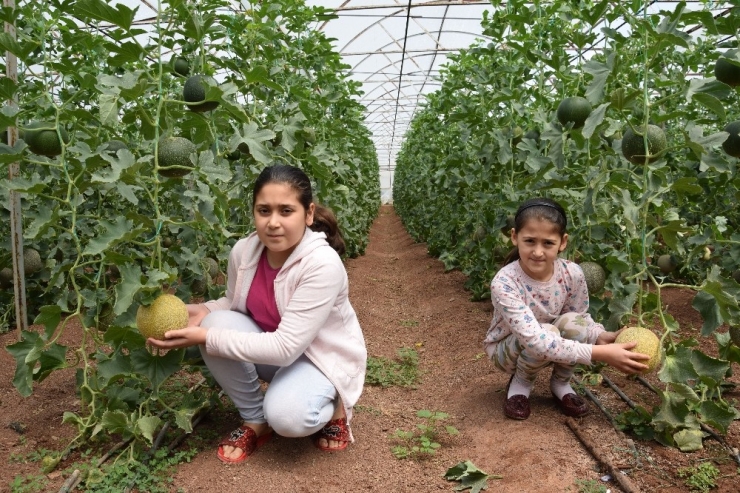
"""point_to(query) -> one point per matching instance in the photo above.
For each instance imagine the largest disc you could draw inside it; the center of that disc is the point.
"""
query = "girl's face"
(539, 243)
(280, 220)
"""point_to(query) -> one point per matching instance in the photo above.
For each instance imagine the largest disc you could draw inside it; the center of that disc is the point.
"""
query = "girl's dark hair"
(537, 208)
(324, 220)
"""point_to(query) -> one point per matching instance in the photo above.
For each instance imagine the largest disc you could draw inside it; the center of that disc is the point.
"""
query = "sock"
(519, 387)
(560, 388)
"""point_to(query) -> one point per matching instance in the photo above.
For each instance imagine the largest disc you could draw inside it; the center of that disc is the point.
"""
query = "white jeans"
(299, 400)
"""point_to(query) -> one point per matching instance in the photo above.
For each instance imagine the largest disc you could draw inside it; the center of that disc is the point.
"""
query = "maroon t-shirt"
(261, 304)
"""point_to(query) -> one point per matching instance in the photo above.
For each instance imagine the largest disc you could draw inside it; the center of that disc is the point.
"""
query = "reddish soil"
(404, 299)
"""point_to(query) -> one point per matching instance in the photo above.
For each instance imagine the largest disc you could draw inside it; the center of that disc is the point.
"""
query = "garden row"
(627, 116)
(139, 144)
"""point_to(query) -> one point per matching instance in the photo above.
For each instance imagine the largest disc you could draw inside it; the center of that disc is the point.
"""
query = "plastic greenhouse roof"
(396, 48)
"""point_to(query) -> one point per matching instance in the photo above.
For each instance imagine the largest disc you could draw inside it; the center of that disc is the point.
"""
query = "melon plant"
(103, 216)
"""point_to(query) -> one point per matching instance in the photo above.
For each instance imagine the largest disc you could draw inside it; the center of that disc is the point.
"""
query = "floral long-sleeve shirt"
(521, 304)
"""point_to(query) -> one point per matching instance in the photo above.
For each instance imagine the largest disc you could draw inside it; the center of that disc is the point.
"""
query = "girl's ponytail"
(324, 221)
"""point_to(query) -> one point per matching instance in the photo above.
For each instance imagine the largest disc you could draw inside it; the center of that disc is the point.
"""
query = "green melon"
(174, 156)
(31, 261)
(633, 144)
(667, 263)
(574, 109)
(727, 72)
(211, 266)
(731, 145)
(736, 275)
(595, 276)
(167, 312)
(180, 66)
(6, 278)
(113, 146)
(532, 134)
(42, 138)
(198, 287)
(194, 93)
(647, 343)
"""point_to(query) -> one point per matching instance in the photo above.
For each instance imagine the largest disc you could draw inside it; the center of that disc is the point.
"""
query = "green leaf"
(146, 426)
(594, 120)
(259, 75)
(122, 161)
(709, 368)
(49, 316)
(689, 440)
(678, 368)
(53, 358)
(674, 413)
(26, 352)
(707, 306)
(712, 104)
(129, 285)
(253, 137)
(116, 422)
(711, 87)
(122, 16)
(108, 109)
(7, 43)
(718, 415)
(470, 477)
(600, 72)
(115, 232)
(114, 367)
(156, 368)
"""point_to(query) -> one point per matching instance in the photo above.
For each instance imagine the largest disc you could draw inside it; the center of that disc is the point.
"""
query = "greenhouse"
(332, 245)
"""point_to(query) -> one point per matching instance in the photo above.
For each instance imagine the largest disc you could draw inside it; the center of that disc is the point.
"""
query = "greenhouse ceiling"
(395, 50)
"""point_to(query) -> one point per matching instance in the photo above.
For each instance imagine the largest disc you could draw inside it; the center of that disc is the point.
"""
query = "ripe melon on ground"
(194, 93)
(595, 276)
(167, 312)
(647, 343)
(573, 109)
(173, 154)
(633, 144)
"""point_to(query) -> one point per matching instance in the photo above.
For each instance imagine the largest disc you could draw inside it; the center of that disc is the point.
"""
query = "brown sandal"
(243, 438)
(336, 430)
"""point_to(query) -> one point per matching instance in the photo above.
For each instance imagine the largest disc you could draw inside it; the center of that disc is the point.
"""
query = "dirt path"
(404, 299)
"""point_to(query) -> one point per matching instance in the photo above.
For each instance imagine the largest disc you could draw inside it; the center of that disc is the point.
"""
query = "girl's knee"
(572, 326)
(288, 421)
(229, 319)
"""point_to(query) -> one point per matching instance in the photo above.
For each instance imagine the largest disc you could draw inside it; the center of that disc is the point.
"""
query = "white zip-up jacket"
(311, 293)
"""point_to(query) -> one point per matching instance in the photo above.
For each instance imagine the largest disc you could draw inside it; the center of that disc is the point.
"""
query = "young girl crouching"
(541, 318)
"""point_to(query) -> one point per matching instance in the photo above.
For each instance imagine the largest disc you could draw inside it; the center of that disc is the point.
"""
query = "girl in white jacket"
(286, 319)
